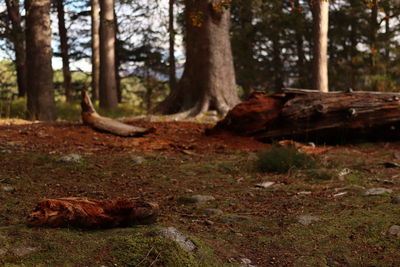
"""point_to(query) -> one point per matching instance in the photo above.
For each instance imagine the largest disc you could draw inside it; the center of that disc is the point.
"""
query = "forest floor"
(316, 217)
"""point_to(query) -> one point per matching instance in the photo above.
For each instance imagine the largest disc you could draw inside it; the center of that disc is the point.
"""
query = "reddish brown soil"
(169, 137)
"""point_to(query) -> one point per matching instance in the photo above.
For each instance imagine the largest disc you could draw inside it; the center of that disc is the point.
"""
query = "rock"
(396, 199)
(208, 222)
(173, 234)
(343, 173)
(71, 158)
(394, 230)
(2, 252)
(377, 191)
(7, 188)
(307, 219)
(304, 193)
(212, 212)
(196, 199)
(23, 251)
(340, 194)
(138, 159)
(264, 185)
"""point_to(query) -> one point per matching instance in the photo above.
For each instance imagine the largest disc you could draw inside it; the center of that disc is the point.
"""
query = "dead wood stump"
(89, 213)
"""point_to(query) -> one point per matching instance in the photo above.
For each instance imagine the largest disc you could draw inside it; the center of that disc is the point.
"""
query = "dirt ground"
(257, 225)
(169, 137)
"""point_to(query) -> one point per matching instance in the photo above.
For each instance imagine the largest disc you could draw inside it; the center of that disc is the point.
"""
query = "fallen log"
(315, 116)
(89, 213)
(93, 119)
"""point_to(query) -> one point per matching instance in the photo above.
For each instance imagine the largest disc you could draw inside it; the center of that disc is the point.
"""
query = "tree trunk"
(41, 104)
(301, 58)
(374, 28)
(208, 81)
(117, 60)
(316, 116)
(95, 13)
(172, 63)
(62, 30)
(108, 81)
(321, 26)
(18, 40)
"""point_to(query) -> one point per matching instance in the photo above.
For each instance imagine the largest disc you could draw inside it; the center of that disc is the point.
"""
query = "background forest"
(272, 46)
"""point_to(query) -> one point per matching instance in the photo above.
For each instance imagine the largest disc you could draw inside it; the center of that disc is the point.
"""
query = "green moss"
(321, 174)
(146, 249)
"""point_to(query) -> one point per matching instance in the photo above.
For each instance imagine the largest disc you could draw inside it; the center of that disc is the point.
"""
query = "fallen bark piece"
(89, 213)
(316, 116)
(94, 120)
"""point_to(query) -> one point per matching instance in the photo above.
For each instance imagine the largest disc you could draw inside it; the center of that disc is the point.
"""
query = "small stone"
(196, 199)
(343, 173)
(239, 234)
(265, 184)
(208, 222)
(7, 188)
(304, 193)
(388, 182)
(212, 212)
(71, 158)
(189, 191)
(23, 251)
(307, 219)
(245, 261)
(377, 191)
(173, 234)
(340, 194)
(138, 159)
(396, 199)
(394, 230)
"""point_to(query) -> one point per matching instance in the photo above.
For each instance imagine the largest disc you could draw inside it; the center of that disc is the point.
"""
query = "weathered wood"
(93, 119)
(89, 213)
(306, 113)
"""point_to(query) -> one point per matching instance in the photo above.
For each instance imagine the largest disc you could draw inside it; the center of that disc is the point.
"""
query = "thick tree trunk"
(321, 24)
(94, 120)
(374, 28)
(172, 63)
(117, 60)
(316, 116)
(62, 30)
(95, 13)
(18, 40)
(108, 81)
(208, 81)
(41, 104)
(301, 58)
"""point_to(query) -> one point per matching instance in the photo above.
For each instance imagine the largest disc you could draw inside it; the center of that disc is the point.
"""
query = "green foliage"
(321, 174)
(283, 159)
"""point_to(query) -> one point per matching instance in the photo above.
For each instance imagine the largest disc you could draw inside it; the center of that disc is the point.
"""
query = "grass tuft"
(283, 159)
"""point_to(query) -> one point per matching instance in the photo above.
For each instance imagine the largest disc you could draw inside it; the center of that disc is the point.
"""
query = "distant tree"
(62, 30)
(95, 17)
(39, 70)
(108, 82)
(208, 81)
(321, 23)
(171, 30)
(17, 35)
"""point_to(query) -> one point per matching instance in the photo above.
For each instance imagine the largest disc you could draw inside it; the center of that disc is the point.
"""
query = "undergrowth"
(283, 159)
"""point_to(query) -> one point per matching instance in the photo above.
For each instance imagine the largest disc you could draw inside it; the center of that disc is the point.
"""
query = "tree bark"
(317, 116)
(18, 40)
(208, 81)
(41, 104)
(62, 30)
(374, 28)
(95, 13)
(321, 26)
(108, 81)
(172, 63)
